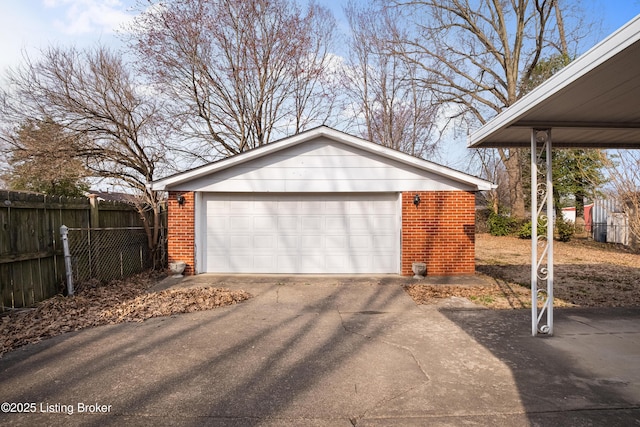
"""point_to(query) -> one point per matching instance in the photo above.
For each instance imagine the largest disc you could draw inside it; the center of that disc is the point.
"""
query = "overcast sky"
(29, 25)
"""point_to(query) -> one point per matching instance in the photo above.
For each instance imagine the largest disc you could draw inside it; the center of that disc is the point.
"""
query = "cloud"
(89, 16)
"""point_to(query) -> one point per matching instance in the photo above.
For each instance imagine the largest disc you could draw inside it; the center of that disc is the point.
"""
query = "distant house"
(569, 214)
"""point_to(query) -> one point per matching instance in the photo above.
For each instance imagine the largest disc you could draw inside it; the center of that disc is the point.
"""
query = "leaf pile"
(426, 293)
(172, 301)
(117, 302)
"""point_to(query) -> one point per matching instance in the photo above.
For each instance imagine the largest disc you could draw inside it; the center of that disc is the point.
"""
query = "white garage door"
(301, 233)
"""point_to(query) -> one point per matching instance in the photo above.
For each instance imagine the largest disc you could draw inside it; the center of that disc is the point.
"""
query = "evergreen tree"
(40, 156)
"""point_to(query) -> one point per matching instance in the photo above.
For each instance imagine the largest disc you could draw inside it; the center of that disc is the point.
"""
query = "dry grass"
(587, 274)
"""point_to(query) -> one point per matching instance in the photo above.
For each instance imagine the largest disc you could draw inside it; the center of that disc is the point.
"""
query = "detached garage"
(322, 202)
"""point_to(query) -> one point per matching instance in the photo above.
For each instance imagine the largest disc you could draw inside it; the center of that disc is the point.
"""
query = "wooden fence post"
(94, 218)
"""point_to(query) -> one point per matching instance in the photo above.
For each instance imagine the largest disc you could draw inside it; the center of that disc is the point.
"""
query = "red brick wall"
(440, 232)
(181, 230)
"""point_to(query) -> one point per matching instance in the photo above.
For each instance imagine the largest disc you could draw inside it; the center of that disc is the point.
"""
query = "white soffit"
(594, 102)
(176, 180)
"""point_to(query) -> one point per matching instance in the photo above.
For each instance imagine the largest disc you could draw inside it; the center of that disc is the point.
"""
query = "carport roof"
(592, 103)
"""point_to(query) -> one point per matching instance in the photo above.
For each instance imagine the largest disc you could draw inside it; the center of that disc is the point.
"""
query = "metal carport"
(594, 102)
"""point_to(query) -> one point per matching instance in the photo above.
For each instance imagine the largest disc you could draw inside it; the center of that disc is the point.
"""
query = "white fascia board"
(597, 55)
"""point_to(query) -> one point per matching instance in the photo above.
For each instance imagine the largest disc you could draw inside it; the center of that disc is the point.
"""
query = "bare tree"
(93, 96)
(237, 71)
(314, 90)
(388, 98)
(479, 52)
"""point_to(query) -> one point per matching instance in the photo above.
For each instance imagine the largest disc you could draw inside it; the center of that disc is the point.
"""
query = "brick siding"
(181, 230)
(440, 232)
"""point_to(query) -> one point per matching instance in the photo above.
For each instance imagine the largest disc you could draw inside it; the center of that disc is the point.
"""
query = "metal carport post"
(541, 246)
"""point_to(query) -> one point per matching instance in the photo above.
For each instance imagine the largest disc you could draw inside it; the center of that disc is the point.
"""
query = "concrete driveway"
(329, 351)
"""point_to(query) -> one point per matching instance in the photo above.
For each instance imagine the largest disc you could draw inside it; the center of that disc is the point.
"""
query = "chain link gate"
(107, 253)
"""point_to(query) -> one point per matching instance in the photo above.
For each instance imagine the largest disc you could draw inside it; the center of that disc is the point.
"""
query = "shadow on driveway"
(319, 351)
(587, 374)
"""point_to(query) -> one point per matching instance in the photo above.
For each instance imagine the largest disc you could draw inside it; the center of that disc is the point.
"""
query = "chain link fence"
(108, 253)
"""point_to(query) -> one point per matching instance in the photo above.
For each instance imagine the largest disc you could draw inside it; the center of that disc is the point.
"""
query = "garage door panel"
(335, 224)
(312, 242)
(287, 222)
(360, 224)
(313, 263)
(286, 263)
(335, 207)
(356, 208)
(241, 222)
(362, 263)
(336, 241)
(336, 263)
(301, 233)
(359, 242)
(216, 242)
(384, 222)
(386, 209)
(241, 241)
(263, 242)
(286, 243)
(262, 262)
(240, 260)
(220, 260)
(286, 207)
(263, 222)
(312, 223)
(383, 241)
(241, 206)
(216, 222)
(310, 207)
(383, 261)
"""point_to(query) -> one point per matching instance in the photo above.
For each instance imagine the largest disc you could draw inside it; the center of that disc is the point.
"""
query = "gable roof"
(592, 103)
(332, 134)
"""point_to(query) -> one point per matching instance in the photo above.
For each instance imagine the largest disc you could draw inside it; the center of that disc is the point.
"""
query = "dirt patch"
(587, 274)
(498, 296)
(95, 304)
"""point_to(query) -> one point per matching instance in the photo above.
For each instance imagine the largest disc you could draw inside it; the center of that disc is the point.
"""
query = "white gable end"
(322, 165)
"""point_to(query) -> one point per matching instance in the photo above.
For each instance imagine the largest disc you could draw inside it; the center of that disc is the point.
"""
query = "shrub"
(500, 225)
(525, 230)
(564, 229)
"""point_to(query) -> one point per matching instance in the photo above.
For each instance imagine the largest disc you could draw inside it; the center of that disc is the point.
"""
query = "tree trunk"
(512, 163)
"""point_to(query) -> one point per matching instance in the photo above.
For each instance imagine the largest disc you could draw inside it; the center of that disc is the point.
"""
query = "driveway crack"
(392, 344)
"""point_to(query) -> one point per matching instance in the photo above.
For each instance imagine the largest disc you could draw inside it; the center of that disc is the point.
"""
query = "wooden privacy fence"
(31, 257)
